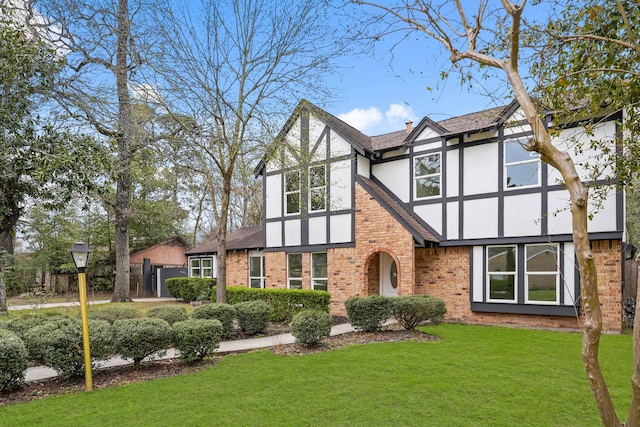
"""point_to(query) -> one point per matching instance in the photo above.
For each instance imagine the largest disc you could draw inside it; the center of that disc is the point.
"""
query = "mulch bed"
(110, 377)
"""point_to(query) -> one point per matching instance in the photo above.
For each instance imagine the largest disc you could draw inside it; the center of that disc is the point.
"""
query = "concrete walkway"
(39, 373)
(34, 306)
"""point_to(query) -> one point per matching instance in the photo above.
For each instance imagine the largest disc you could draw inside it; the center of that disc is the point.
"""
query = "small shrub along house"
(455, 209)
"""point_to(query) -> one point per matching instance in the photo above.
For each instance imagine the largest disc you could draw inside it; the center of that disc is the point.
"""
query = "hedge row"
(369, 313)
(191, 288)
(283, 303)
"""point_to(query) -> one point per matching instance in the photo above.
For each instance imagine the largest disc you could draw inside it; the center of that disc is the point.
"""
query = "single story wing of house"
(455, 209)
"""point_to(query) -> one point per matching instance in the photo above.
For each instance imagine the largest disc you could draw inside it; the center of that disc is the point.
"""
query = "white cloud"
(362, 119)
(398, 115)
(146, 92)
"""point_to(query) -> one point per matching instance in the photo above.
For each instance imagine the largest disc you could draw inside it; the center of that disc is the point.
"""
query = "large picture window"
(541, 274)
(317, 188)
(521, 167)
(294, 271)
(426, 175)
(319, 271)
(292, 192)
(501, 273)
(256, 271)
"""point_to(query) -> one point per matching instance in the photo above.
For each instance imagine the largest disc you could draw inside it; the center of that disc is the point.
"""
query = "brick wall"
(238, 268)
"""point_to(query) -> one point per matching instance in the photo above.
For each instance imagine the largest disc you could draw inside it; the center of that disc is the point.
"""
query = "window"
(292, 192)
(426, 174)
(521, 167)
(201, 267)
(256, 271)
(294, 271)
(541, 274)
(319, 271)
(317, 188)
(501, 272)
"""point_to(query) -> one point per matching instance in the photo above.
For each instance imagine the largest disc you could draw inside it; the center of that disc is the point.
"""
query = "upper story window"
(256, 271)
(426, 174)
(501, 273)
(292, 192)
(317, 188)
(294, 271)
(319, 271)
(542, 282)
(521, 167)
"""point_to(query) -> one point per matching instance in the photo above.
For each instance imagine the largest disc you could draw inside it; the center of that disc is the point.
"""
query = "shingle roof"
(419, 232)
(245, 238)
(473, 121)
(388, 140)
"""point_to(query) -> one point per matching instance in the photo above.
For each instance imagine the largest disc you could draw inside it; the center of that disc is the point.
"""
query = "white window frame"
(200, 268)
(323, 280)
(292, 192)
(535, 158)
(416, 177)
(528, 273)
(262, 269)
(513, 273)
(322, 188)
(294, 278)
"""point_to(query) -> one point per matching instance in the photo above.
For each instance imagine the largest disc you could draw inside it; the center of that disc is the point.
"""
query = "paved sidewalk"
(39, 373)
(77, 303)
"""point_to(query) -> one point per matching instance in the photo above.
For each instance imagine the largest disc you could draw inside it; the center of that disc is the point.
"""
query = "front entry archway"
(388, 275)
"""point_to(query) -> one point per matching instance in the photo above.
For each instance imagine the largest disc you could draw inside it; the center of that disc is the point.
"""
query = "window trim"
(291, 278)
(313, 278)
(506, 164)
(538, 273)
(323, 188)
(292, 192)
(200, 267)
(262, 270)
(417, 177)
(514, 274)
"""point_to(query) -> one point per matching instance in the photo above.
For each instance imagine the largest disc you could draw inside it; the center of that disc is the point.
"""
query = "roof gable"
(247, 238)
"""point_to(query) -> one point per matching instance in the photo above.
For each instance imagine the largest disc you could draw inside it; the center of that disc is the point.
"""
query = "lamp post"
(80, 254)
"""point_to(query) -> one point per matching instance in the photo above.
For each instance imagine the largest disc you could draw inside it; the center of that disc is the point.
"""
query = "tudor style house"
(455, 209)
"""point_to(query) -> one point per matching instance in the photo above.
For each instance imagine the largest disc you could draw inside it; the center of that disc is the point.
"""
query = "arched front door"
(388, 275)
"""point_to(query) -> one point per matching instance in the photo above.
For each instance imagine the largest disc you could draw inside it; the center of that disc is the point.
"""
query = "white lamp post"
(80, 254)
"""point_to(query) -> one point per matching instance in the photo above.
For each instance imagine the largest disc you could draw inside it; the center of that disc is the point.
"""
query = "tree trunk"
(123, 185)
(221, 282)
(3, 292)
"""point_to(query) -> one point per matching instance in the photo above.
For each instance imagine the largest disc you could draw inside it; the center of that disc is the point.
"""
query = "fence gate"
(162, 274)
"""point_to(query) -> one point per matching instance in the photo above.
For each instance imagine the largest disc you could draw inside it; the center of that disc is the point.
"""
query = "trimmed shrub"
(3, 325)
(13, 361)
(171, 314)
(410, 311)
(111, 313)
(225, 313)
(21, 325)
(253, 316)
(190, 288)
(311, 326)
(283, 303)
(58, 344)
(139, 338)
(368, 313)
(197, 338)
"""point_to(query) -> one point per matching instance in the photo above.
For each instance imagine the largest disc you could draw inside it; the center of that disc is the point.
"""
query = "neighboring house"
(455, 209)
(145, 262)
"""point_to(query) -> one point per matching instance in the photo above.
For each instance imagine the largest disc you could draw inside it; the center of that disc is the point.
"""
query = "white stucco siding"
(292, 230)
(316, 129)
(453, 222)
(317, 230)
(481, 169)
(604, 212)
(453, 173)
(340, 228)
(477, 270)
(567, 281)
(273, 190)
(427, 133)
(363, 165)
(340, 183)
(273, 231)
(394, 153)
(427, 147)
(522, 215)
(396, 176)
(431, 214)
(480, 218)
(338, 146)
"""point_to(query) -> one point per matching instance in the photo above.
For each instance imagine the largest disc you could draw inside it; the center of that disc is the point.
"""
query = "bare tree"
(235, 68)
(472, 39)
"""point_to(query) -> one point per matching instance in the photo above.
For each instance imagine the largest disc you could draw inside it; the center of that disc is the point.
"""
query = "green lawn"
(474, 376)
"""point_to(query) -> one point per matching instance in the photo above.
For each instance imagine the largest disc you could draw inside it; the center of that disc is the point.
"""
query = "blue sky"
(379, 92)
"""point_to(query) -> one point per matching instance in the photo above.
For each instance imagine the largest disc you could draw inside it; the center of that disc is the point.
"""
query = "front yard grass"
(474, 376)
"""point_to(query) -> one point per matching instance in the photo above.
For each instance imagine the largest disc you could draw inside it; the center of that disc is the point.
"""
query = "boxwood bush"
(190, 288)
(310, 327)
(139, 338)
(412, 310)
(13, 361)
(197, 338)
(253, 316)
(368, 313)
(58, 344)
(21, 325)
(225, 313)
(283, 303)
(111, 313)
(170, 313)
